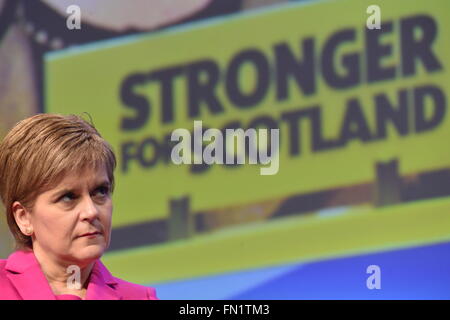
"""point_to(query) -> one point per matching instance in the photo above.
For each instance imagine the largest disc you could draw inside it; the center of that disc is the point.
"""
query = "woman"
(56, 180)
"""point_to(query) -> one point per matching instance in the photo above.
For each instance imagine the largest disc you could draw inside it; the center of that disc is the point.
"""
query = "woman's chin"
(90, 253)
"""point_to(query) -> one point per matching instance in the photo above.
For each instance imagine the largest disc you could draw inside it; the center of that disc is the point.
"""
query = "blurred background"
(364, 165)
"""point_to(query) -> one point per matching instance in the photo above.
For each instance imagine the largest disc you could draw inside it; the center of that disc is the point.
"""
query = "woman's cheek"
(108, 220)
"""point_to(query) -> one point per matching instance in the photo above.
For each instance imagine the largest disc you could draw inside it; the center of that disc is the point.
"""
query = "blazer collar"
(26, 275)
(102, 285)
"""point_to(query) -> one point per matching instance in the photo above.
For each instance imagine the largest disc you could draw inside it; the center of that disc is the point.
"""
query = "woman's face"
(72, 221)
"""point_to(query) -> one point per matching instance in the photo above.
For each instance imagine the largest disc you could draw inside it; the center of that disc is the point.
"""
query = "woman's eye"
(67, 197)
(101, 191)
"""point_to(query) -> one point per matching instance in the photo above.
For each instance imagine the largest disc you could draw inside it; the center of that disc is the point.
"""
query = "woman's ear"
(23, 218)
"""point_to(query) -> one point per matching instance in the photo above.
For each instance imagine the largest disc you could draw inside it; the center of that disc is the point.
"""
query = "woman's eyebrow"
(65, 190)
(61, 192)
(65, 185)
(103, 183)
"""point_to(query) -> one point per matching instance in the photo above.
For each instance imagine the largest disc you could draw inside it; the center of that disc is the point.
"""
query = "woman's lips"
(91, 234)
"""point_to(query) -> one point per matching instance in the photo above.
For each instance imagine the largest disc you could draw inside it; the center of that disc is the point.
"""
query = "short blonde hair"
(39, 151)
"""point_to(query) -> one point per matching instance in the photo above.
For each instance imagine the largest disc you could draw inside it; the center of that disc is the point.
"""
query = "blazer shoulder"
(133, 291)
(2, 269)
(7, 290)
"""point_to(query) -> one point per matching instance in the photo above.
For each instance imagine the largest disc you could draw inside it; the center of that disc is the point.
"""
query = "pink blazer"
(21, 278)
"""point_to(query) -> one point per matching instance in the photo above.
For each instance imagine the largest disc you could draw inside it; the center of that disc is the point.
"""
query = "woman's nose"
(89, 210)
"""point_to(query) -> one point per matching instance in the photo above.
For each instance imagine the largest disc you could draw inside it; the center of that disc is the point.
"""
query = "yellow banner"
(343, 96)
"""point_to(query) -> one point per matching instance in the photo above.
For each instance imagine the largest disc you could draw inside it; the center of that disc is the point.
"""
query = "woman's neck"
(61, 278)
